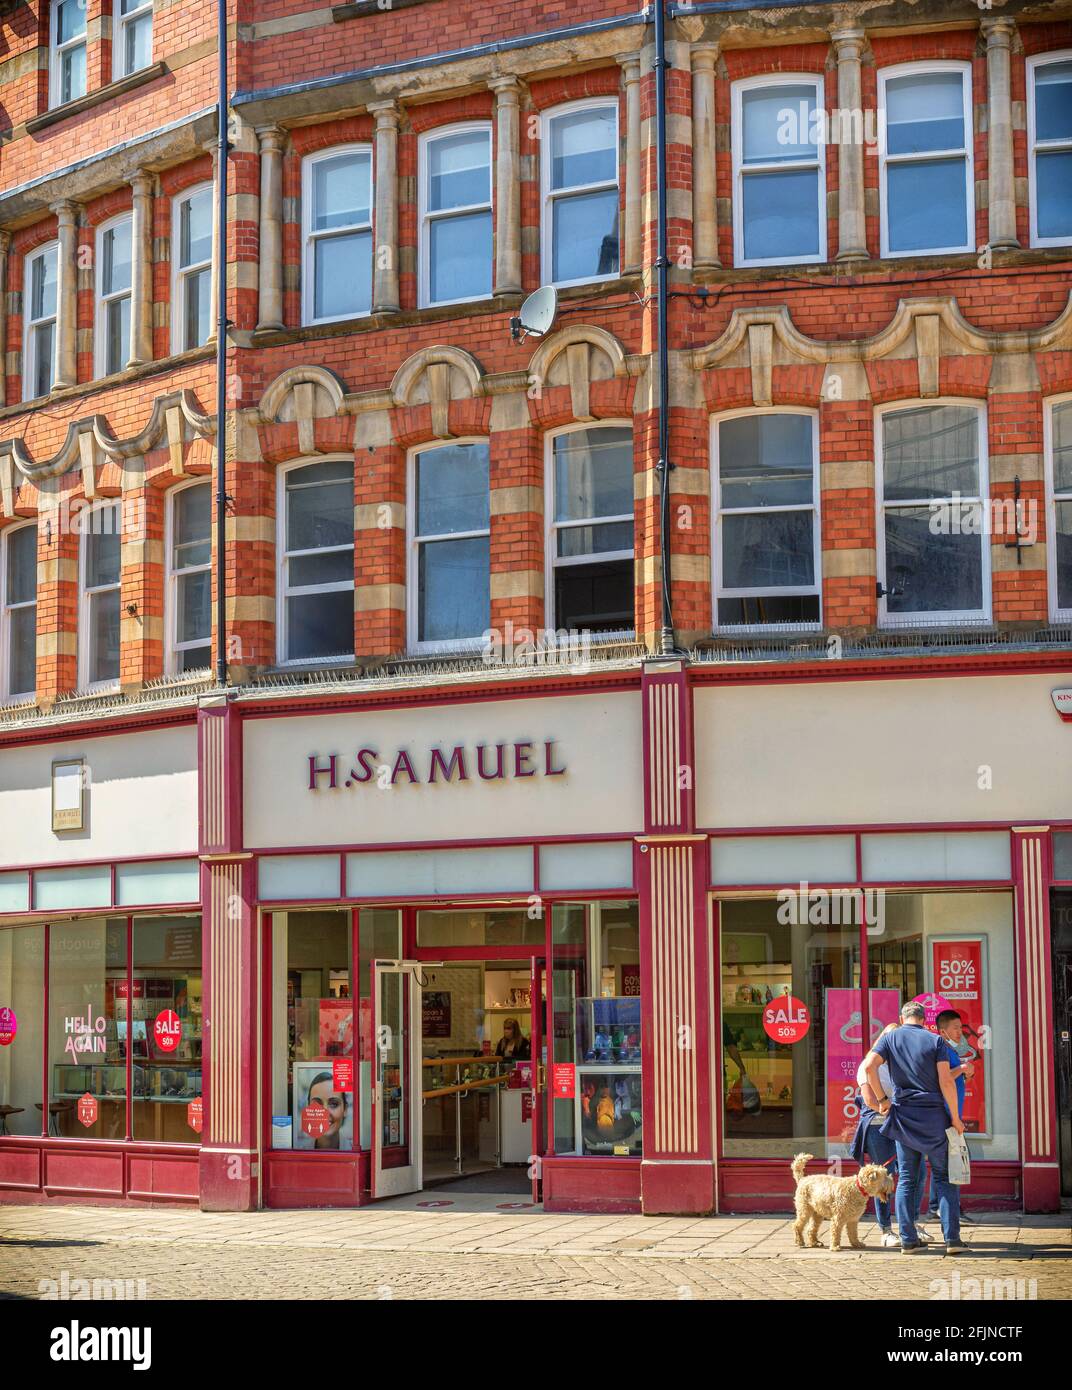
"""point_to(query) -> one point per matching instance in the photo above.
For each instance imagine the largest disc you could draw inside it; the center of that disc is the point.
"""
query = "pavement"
(489, 1247)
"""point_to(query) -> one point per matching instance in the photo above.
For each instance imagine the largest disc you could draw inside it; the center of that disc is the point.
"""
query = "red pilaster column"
(677, 1172)
(1032, 874)
(229, 1142)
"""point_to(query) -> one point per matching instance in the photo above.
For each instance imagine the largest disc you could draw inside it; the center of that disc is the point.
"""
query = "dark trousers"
(910, 1168)
(879, 1149)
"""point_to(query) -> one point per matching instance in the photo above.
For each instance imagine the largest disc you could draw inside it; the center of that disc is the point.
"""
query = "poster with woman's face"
(329, 1123)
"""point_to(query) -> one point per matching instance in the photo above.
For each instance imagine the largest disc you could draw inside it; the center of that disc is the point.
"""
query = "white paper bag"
(959, 1162)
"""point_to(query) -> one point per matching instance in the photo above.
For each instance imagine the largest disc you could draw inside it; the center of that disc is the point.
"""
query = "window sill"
(869, 266)
(82, 388)
(97, 98)
(405, 318)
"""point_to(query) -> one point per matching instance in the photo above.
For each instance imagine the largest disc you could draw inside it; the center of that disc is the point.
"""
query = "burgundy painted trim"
(11, 921)
(883, 668)
(896, 885)
(45, 1088)
(388, 846)
(112, 861)
(130, 1021)
(1037, 1043)
(875, 828)
(101, 726)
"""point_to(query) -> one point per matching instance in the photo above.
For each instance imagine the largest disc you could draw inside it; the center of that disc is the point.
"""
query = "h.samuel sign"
(483, 761)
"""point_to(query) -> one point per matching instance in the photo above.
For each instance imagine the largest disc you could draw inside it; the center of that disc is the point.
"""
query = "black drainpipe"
(662, 265)
(221, 349)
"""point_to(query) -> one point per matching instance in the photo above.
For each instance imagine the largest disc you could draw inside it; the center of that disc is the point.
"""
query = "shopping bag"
(959, 1162)
(750, 1101)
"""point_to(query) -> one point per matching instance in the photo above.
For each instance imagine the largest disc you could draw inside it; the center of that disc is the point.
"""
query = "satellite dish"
(537, 315)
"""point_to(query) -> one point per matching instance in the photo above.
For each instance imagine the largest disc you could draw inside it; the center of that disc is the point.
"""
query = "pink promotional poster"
(845, 1050)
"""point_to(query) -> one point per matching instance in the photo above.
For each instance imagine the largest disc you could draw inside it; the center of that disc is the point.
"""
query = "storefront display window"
(596, 1025)
(22, 991)
(313, 1020)
(379, 938)
(88, 1037)
(784, 1097)
(782, 1091)
(505, 927)
(166, 1027)
(958, 948)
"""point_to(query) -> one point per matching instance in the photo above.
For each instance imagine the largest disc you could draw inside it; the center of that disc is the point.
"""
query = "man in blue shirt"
(923, 1105)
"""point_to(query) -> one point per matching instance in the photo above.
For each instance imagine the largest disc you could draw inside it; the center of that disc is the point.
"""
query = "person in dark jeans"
(870, 1145)
(951, 1028)
(923, 1105)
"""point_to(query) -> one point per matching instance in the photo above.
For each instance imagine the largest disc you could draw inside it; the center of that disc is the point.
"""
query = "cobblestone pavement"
(401, 1252)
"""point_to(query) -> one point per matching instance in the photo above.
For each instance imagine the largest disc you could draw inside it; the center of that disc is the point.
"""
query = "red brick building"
(869, 222)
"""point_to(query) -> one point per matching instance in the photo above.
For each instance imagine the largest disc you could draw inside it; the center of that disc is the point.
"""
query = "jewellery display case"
(608, 1111)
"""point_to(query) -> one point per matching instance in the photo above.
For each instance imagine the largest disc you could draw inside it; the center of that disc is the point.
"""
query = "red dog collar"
(862, 1190)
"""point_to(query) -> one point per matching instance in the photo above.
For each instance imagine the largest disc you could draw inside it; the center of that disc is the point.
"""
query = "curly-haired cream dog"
(841, 1201)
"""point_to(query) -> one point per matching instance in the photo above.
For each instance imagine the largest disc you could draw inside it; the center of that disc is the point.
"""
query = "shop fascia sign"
(1062, 701)
(485, 762)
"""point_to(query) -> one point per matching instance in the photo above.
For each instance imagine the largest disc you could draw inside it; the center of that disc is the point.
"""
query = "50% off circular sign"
(786, 1019)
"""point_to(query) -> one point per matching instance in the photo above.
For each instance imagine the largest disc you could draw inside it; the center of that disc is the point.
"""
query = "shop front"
(102, 1038)
(897, 846)
(450, 948)
(614, 940)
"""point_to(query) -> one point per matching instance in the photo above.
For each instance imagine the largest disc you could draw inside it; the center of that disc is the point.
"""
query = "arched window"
(189, 578)
(337, 217)
(779, 178)
(925, 126)
(765, 544)
(455, 209)
(18, 610)
(316, 548)
(933, 532)
(40, 299)
(99, 621)
(113, 295)
(580, 193)
(1049, 129)
(450, 550)
(191, 261)
(1058, 438)
(590, 529)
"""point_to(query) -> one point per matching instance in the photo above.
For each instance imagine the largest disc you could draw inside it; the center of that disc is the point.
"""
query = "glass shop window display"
(596, 1028)
(22, 1029)
(166, 1074)
(313, 1031)
(782, 1097)
(87, 970)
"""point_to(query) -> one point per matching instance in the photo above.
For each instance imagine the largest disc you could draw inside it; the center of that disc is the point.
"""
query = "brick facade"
(837, 340)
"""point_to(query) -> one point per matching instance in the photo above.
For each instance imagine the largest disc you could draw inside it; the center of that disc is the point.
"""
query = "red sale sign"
(786, 1019)
(315, 1120)
(87, 1110)
(167, 1030)
(563, 1080)
(9, 1026)
(195, 1115)
(957, 972)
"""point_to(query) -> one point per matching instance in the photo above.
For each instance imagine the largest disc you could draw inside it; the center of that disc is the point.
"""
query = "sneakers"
(889, 1240)
(911, 1249)
(954, 1247)
(922, 1236)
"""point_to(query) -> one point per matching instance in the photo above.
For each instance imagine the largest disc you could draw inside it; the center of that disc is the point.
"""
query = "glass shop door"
(396, 1072)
